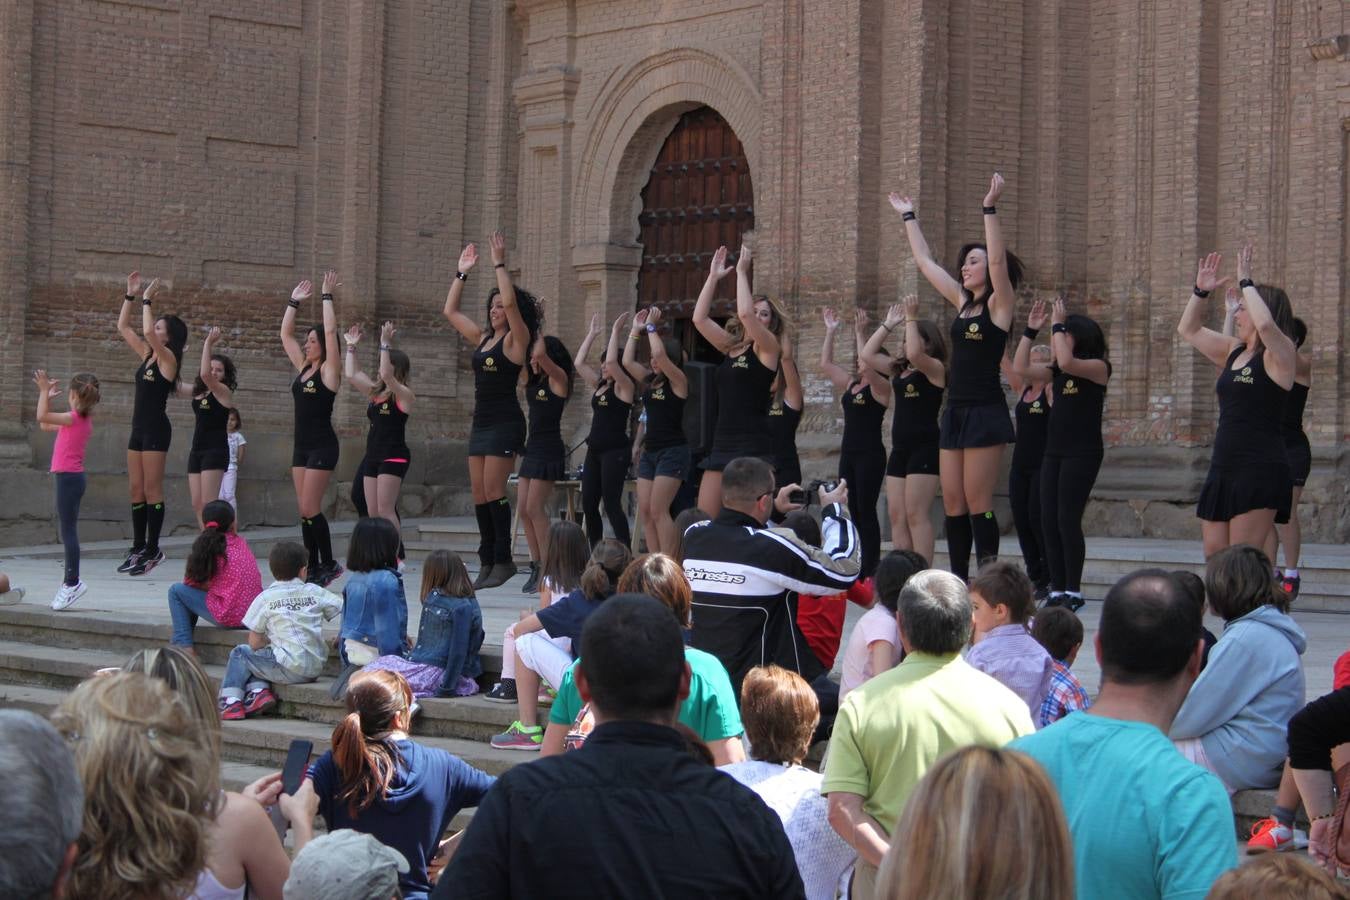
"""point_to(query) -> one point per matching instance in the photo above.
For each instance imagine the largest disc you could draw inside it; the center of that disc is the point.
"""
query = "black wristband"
(293, 303)
(131, 298)
(908, 216)
(327, 298)
(462, 276)
(145, 301)
(989, 210)
(1058, 328)
(1246, 283)
(1030, 333)
(1199, 293)
(499, 265)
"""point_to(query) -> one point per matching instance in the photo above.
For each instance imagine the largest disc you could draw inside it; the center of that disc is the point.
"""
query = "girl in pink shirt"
(72, 429)
(221, 580)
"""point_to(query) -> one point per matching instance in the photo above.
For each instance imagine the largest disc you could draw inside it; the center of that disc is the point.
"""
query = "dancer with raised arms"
(608, 445)
(314, 454)
(501, 349)
(665, 460)
(389, 401)
(975, 425)
(1032, 415)
(1299, 453)
(212, 396)
(548, 387)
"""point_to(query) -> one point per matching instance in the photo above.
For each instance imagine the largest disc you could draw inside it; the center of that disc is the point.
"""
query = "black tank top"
(743, 400)
(1033, 424)
(152, 396)
(917, 402)
(388, 435)
(546, 409)
(609, 421)
(977, 351)
(313, 409)
(494, 384)
(209, 432)
(1250, 407)
(1076, 415)
(862, 421)
(665, 417)
(1294, 404)
(783, 421)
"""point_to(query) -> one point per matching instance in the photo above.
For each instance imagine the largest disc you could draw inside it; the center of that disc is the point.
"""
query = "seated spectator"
(150, 788)
(1059, 630)
(285, 639)
(44, 804)
(374, 605)
(1314, 732)
(1235, 717)
(631, 813)
(445, 661)
(780, 716)
(710, 709)
(1276, 878)
(1002, 602)
(537, 657)
(345, 865)
(820, 617)
(1194, 586)
(957, 850)
(221, 578)
(1146, 823)
(243, 852)
(377, 781)
(874, 644)
(9, 594)
(895, 727)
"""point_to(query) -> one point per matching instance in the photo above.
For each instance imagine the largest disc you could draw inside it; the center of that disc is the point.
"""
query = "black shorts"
(542, 468)
(913, 459)
(503, 439)
(208, 460)
(1230, 492)
(323, 457)
(672, 462)
(373, 468)
(1299, 454)
(966, 427)
(154, 439)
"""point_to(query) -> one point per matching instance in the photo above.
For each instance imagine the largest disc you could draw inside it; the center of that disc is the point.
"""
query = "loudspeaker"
(700, 409)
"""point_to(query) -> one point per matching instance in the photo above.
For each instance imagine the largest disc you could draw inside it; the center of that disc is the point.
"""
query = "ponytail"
(601, 575)
(208, 549)
(363, 749)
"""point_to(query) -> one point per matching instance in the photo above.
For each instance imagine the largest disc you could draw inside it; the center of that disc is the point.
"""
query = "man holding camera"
(742, 572)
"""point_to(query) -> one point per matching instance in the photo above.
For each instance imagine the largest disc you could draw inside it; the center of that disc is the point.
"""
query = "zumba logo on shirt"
(1245, 376)
(541, 395)
(1069, 388)
(149, 374)
(658, 393)
(602, 400)
(489, 364)
(384, 408)
(309, 387)
(1035, 408)
(776, 409)
(973, 332)
(911, 392)
(205, 403)
(740, 362)
(859, 399)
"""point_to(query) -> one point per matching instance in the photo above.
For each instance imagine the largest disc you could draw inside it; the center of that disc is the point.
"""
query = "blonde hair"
(186, 678)
(149, 790)
(1276, 876)
(981, 823)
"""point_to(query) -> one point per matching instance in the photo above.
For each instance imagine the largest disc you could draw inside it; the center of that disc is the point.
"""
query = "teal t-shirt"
(710, 709)
(1146, 823)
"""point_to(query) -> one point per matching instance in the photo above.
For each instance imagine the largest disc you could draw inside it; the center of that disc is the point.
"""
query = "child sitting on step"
(1002, 600)
(285, 641)
(1059, 630)
(374, 606)
(220, 579)
(445, 662)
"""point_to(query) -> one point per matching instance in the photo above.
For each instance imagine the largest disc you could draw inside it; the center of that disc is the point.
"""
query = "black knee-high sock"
(138, 517)
(501, 530)
(323, 539)
(154, 520)
(985, 528)
(958, 546)
(486, 534)
(307, 535)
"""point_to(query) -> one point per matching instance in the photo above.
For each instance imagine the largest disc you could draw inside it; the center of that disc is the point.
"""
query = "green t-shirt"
(891, 730)
(710, 709)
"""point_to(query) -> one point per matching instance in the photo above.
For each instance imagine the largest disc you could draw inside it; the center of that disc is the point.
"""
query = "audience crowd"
(697, 744)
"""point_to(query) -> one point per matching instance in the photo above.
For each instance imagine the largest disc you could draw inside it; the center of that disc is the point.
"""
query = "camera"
(811, 493)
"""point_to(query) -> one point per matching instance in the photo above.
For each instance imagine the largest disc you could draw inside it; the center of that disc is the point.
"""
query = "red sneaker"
(231, 709)
(259, 701)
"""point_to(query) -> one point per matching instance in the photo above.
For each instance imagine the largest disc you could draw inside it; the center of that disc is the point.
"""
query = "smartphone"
(292, 775)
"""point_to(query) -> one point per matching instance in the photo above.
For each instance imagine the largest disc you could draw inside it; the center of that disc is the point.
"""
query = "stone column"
(16, 116)
(544, 103)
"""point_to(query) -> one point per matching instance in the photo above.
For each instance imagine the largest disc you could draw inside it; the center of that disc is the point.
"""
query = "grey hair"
(44, 804)
(934, 612)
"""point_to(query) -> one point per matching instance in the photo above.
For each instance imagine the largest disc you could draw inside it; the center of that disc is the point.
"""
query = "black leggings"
(1319, 726)
(69, 492)
(1024, 493)
(602, 480)
(1066, 485)
(865, 473)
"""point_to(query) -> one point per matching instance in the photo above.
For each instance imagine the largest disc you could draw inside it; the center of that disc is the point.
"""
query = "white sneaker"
(68, 594)
(12, 597)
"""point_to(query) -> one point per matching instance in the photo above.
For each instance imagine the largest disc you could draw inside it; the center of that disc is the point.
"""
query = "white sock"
(1291, 573)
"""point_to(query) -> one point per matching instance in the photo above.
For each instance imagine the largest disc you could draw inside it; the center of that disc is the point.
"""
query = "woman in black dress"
(864, 396)
(212, 396)
(389, 402)
(1248, 485)
(665, 461)
(547, 390)
(497, 435)
(608, 446)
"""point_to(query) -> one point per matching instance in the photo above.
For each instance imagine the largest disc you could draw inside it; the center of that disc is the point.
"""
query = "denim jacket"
(449, 635)
(375, 612)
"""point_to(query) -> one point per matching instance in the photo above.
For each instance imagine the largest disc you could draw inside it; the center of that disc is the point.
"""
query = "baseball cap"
(345, 865)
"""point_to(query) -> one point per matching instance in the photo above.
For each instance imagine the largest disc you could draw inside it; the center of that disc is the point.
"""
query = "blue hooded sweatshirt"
(1241, 704)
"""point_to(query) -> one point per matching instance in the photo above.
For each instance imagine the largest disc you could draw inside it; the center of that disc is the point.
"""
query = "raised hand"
(860, 319)
(1036, 318)
(151, 289)
(911, 304)
(468, 257)
(1244, 261)
(330, 281)
(640, 320)
(895, 314)
(719, 268)
(387, 332)
(1207, 273)
(831, 318)
(995, 190)
(212, 335)
(537, 351)
(353, 336)
(303, 291)
(595, 324)
(498, 244)
(743, 261)
(901, 204)
(1231, 299)
(1060, 314)
(44, 384)
(622, 321)
(133, 284)
(654, 316)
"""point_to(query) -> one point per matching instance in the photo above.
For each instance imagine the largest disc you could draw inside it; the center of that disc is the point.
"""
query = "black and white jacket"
(742, 573)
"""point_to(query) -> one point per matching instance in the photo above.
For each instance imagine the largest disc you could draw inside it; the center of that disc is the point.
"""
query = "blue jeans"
(186, 605)
(251, 670)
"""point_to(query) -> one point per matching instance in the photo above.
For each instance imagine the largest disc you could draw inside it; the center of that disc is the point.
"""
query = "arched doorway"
(698, 197)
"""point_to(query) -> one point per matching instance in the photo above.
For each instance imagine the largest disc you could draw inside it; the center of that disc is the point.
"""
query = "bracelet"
(1330, 815)
(462, 276)
(651, 329)
(1246, 283)
(327, 298)
(499, 266)
(908, 216)
(145, 301)
(1059, 328)
(1199, 293)
(1030, 333)
(131, 298)
(293, 303)
(989, 210)
(351, 348)
(887, 327)
(385, 348)
(634, 335)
